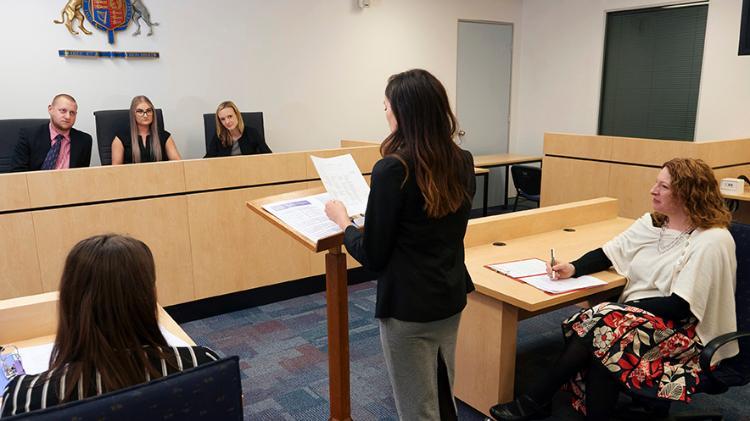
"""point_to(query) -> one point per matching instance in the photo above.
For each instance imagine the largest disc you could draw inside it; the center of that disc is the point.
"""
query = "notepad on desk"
(534, 272)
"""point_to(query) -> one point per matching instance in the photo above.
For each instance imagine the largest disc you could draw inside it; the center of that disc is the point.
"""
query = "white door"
(485, 51)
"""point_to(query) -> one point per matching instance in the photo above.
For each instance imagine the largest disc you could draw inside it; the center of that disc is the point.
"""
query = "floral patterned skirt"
(650, 356)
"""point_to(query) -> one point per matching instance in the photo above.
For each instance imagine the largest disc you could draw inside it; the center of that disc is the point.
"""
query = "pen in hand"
(552, 263)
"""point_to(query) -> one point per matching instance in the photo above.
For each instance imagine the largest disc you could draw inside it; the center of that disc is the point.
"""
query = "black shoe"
(522, 409)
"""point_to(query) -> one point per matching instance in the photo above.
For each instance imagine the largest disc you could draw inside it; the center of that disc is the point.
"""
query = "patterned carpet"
(282, 349)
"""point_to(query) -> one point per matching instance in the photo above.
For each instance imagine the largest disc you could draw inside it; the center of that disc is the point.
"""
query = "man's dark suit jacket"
(34, 143)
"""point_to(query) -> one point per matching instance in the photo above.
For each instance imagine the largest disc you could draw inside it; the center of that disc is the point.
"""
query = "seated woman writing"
(108, 335)
(680, 266)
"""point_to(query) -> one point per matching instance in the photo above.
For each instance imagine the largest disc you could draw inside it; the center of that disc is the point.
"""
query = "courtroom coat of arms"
(109, 16)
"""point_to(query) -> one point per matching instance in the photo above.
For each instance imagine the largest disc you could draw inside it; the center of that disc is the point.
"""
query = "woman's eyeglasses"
(143, 113)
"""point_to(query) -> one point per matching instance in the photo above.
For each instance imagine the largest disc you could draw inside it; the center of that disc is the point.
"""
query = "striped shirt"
(38, 391)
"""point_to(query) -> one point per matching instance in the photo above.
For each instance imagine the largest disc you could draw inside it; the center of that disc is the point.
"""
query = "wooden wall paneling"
(726, 152)
(733, 172)
(234, 249)
(345, 143)
(82, 185)
(631, 185)
(214, 173)
(650, 151)
(19, 262)
(14, 192)
(573, 145)
(487, 230)
(568, 180)
(160, 223)
(28, 317)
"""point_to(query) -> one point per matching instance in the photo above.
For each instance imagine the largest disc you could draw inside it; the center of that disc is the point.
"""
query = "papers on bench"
(343, 181)
(35, 359)
(534, 273)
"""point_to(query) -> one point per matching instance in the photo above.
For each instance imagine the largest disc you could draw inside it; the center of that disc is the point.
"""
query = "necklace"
(677, 240)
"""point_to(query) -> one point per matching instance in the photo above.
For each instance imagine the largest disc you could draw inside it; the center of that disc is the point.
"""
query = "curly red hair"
(694, 184)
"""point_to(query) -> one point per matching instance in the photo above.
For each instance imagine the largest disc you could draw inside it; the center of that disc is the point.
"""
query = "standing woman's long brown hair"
(107, 314)
(424, 135)
(135, 139)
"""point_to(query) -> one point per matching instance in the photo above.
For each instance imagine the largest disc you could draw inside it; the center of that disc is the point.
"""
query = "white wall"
(561, 70)
(316, 68)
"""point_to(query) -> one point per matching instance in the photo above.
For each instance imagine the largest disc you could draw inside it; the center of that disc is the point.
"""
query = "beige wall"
(561, 69)
(317, 68)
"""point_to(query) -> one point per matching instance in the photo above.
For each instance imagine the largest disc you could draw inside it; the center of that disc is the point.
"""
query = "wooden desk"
(502, 160)
(484, 173)
(32, 320)
(486, 348)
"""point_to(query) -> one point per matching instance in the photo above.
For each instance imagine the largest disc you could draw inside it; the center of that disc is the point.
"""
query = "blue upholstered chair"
(208, 392)
(528, 182)
(9, 137)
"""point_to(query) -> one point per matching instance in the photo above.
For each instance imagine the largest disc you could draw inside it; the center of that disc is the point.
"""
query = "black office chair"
(111, 122)
(9, 137)
(211, 391)
(254, 120)
(528, 182)
(733, 372)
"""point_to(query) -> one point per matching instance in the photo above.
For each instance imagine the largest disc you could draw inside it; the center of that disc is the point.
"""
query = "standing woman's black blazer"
(251, 143)
(419, 260)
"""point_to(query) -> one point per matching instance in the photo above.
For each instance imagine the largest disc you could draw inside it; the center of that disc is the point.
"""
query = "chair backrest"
(208, 392)
(9, 137)
(741, 234)
(527, 178)
(254, 120)
(111, 122)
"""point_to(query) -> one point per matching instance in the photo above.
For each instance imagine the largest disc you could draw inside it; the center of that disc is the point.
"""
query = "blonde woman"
(232, 136)
(144, 142)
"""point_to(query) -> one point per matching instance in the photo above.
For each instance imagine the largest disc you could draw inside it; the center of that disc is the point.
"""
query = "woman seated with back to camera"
(232, 136)
(680, 266)
(108, 335)
(144, 141)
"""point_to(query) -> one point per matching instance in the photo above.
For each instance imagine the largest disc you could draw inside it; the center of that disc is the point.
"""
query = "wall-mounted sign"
(109, 16)
(107, 54)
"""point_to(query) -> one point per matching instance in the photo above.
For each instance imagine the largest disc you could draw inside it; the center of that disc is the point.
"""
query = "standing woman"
(416, 218)
(232, 137)
(144, 142)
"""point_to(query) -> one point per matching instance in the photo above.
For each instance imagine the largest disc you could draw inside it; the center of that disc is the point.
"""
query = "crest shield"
(108, 15)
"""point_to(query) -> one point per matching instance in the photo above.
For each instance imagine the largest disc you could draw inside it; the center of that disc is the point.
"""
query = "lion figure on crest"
(140, 11)
(70, 13)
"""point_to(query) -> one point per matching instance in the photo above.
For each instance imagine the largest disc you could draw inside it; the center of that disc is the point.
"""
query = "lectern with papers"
(336, 297)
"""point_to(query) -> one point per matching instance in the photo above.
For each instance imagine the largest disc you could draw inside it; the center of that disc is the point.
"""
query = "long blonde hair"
(134, 136)
(221, 132)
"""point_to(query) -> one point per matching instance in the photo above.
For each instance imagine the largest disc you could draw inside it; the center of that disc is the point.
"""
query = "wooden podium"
(336, 298)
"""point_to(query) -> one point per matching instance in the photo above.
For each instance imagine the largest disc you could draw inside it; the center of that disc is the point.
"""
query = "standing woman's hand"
(337, 213)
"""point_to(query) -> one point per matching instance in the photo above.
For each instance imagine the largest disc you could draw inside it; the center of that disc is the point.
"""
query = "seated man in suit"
(56, 145)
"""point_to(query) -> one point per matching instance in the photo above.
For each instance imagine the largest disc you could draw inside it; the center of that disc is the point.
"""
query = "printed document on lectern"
(343, 180)
(305, 215)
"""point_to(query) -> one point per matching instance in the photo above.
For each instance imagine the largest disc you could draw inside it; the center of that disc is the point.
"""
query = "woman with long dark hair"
(143, 141)
(108, 334)
(417, 212)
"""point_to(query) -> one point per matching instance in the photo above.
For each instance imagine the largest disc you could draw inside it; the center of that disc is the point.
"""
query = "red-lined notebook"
(534, 272)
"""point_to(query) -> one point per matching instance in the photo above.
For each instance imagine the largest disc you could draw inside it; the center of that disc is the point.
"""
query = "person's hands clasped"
(561, 270)
(336, 212)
